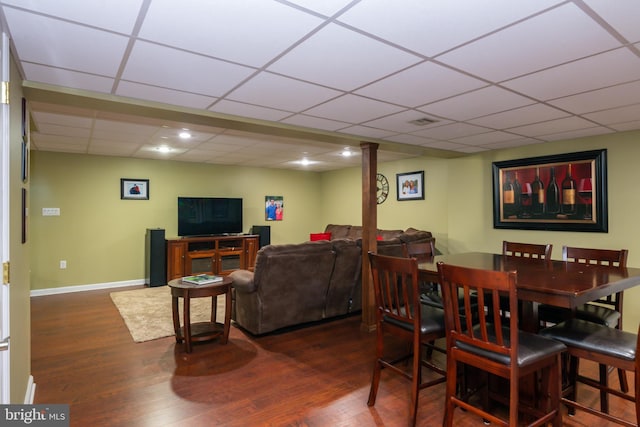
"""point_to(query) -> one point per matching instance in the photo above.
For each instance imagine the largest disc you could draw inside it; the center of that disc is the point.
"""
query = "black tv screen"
(204, 216)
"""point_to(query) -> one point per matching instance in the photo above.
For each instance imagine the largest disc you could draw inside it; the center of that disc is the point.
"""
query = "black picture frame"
(134, 189)
(516, 201)
(410, 186)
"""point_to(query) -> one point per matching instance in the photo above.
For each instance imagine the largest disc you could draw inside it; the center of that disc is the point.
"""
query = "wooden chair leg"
(624, 384)
(604, 382)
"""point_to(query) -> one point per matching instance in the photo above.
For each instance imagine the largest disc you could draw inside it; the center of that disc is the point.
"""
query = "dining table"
(560, 283)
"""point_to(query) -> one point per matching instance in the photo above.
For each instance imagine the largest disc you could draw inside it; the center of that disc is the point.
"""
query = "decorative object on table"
(134, 189)
(564, 192)
(410, 185)
(274, 208)
(382, 188)
(202, 279)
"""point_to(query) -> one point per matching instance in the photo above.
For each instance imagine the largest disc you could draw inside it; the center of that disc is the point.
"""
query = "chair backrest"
(466, 320)
(527, 250)
(615, 258)
(610, 257)
(419, 250)
(395, 285)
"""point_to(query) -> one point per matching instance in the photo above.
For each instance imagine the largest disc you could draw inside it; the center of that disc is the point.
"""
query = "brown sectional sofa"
(293, 284)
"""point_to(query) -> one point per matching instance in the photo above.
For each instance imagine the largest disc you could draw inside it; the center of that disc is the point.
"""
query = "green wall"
(102, 237)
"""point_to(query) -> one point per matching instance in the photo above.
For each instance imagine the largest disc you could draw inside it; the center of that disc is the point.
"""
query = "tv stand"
(219, 255)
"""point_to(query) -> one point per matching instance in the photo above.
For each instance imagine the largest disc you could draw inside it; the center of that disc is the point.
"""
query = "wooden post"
(369, 230)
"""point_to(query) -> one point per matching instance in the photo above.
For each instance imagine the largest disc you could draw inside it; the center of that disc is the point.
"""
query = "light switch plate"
(50, 211)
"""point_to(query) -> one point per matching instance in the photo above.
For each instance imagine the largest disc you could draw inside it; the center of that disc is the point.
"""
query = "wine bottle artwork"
(508, 198)
(569, 193)
(553, 194)
(526, 200)
(537, 195)
(559, 192)
(585, 191)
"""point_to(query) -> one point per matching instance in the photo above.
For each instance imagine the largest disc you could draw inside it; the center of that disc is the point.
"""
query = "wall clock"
(382, 185)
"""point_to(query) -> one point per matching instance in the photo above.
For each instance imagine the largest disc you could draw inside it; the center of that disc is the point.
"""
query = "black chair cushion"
(531, 348)
(590, 312)
(432, 319)
(593, 337)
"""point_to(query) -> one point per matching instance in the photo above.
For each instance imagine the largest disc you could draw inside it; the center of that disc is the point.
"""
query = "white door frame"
(5, 379)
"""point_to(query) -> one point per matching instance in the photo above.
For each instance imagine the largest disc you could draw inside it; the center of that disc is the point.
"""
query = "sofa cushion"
(337, 231)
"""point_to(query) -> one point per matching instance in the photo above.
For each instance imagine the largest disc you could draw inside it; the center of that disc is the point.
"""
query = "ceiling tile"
(519, 117)
(553, 127)
(568, 34)
(114, 15)
(621, 14)
(616, 115)
(611, 97)
(431, 27)
(420, 84)
(76, 47)
(325, 7)
(315, 122)
(246, 110)
(451, 131)
(360, 59)
(162, 66)
(164, 95)
(353, 109)
(248, 32)
(474, 104)
(402, 122)
(606, 69)
(485, 138)
(284, 93)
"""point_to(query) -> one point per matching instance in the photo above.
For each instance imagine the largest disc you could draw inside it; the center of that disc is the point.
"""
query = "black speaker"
(155, 257)
(264, 231)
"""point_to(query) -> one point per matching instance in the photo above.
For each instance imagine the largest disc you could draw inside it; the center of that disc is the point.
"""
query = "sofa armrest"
(243, 281)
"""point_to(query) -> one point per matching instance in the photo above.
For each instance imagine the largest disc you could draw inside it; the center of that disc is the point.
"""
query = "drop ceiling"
(267, 83)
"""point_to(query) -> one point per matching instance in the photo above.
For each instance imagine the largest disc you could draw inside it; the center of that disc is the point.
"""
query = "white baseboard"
(82, 288)
(31, 391)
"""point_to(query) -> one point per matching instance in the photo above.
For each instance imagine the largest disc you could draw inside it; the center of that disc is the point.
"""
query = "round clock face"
(383, 188)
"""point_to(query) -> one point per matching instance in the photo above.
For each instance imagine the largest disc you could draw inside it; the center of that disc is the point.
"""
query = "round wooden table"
(202, 331)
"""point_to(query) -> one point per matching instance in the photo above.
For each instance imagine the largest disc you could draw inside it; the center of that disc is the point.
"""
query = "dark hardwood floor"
(83, 355)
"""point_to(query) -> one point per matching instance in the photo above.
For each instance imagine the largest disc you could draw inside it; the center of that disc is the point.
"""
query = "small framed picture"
(134, 189)
(274, 208)
(410, 185)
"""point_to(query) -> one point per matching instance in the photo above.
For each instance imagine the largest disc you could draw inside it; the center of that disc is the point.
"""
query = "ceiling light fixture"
(184, 135)
(163, 149)
(346, 152)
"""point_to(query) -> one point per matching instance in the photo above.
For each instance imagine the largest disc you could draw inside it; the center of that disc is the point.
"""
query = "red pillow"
(319, 236)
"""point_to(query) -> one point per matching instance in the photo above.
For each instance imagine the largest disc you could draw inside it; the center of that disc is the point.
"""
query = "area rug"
(147, 312)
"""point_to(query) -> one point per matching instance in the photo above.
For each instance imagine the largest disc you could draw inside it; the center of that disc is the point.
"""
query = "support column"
(369, 230)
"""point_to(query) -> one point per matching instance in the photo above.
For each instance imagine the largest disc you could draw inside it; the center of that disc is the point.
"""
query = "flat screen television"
(205, 216)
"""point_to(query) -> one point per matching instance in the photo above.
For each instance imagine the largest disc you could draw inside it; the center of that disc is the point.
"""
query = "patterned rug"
(147, 311)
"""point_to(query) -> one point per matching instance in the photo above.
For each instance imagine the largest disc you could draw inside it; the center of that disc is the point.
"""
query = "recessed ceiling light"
(346, 152)
(163, 149)
(184, 135)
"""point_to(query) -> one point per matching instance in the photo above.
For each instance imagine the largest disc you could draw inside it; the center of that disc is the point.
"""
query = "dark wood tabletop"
(559, 283)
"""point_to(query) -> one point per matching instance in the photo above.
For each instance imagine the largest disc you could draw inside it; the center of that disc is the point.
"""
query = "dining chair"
(527, 250)
(496, 346)
(605, 346)
(605, 311)
(399, 313)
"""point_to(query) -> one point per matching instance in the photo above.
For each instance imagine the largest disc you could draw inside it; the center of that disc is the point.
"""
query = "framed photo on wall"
(274, 208)
(565, 192)
(410, 185)
(134, 189)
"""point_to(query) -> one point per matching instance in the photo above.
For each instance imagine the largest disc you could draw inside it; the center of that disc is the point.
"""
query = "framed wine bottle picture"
(565, 192)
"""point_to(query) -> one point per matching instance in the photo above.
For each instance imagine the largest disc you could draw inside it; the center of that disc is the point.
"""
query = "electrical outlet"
(63, 264)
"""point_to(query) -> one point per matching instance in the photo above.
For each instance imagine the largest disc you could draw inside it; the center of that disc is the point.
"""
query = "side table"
(202, 331)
